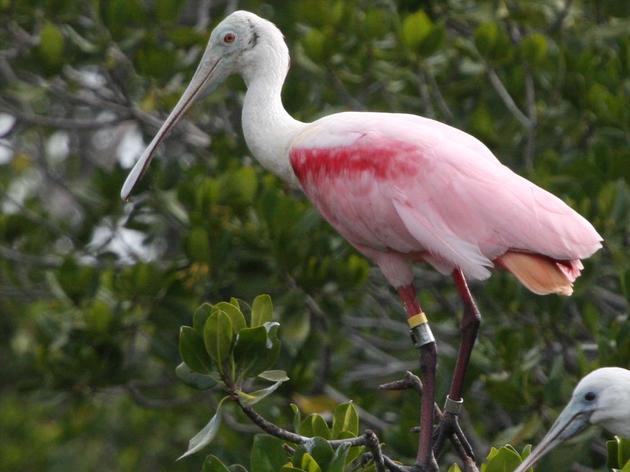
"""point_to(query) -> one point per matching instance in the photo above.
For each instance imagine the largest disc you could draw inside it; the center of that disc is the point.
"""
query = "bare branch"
(562, 14)
(62, 122)
(238, 426)
(457, 438)
(375, 447)
(45, 262)
(423, 90)
(133, 388)
(29, 294)
(393, 466)
(203, 15)
(507, 98)
(6, 71)
(348, 97)
(367, 439)
(268, 426)
(530, 94)
(439, 98)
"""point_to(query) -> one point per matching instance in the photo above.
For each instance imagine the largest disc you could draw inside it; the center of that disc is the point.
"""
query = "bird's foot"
(443, 430)
(448, 426)
(429, 465)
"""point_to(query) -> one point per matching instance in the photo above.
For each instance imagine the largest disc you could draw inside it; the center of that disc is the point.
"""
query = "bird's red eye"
(229, 38)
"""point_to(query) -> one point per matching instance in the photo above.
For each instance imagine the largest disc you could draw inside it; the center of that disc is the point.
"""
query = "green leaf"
(120, 14)
(355, 451)
(254, 397)
(345, 418)
(274, 375)
(245, 183)
(235, 314)
(77, 281)
(623, 451)
(98, 317)
(213, 464)
(194, 379)
(626, 468)
(613, 453)
(338, 462)
(237, 468)
(51, 44)
(433, 42)
(492, 42)
(415, 29)
(198, 240)
(256, 349)
(534, 48)
(315, 45)
(297, 417)
(168, 10)
(505, 459)
(314, 425)
(295, 330)
(321, 451)
(486, 36)
(192, 350)
(493, 452)
(309, 464)
(206, 435)
(267, 454)
(262, 310)
(250, 347)
(217, 337)
(618, 452)
(454, 468)
(201, 315)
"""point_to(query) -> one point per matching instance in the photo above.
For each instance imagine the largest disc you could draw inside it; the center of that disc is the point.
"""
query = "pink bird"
(401, 189)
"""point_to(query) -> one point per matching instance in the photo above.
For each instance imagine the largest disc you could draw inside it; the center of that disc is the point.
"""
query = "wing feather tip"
(540, 274)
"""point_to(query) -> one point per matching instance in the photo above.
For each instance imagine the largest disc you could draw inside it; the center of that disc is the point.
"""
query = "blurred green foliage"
(210, 349)
(619, 454)
(93, 290)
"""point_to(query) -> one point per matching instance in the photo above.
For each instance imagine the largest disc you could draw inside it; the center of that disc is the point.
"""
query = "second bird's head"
(601, 398)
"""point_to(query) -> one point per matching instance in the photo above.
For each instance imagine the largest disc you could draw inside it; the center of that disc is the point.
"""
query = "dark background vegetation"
(93, 290)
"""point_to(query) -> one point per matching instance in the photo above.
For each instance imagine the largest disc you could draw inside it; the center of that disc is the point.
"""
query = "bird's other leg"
(423, 339)
(469, 327)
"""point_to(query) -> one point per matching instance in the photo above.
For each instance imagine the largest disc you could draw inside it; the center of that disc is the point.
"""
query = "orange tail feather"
(541, 274)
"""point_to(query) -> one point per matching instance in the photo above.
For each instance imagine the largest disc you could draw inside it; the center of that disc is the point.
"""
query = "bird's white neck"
(268, 128)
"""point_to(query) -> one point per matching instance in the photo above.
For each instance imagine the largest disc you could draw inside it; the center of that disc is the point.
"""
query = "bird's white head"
(611, 405)
(242, 43)
(601, 398)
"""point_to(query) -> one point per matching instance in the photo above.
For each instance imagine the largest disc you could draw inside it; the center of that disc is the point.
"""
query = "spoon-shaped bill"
(571, 421)
(205, 77)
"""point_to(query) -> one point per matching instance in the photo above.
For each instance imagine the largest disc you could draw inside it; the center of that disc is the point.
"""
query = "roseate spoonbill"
(601, 398)
(400, 188)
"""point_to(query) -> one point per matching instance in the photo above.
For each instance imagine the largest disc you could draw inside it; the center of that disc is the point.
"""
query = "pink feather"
(396, 186)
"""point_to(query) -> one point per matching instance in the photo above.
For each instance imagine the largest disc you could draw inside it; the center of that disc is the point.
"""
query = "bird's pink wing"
(408, 184)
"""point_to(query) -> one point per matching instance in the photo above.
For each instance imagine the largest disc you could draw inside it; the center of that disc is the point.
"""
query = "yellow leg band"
(417, 320)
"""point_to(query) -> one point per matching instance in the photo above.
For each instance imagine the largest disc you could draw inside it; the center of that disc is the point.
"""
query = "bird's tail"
(541, 274)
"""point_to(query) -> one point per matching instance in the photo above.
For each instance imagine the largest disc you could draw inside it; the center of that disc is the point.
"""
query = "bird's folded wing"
(448, 191)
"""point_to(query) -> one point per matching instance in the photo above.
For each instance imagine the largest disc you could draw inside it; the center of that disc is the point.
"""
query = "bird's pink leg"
(424, 341)
(469, 326)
